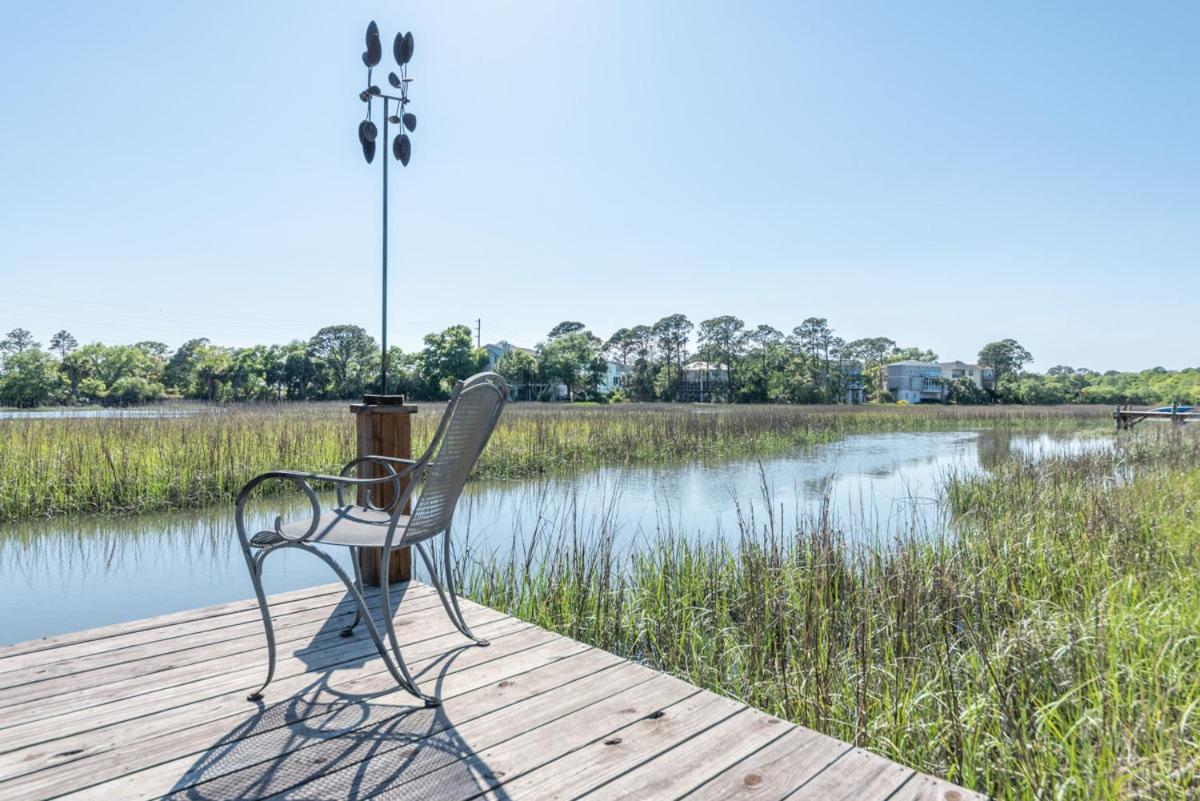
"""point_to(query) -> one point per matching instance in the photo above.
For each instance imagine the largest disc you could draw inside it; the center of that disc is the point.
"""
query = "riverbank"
(1048, 650)
(121, 465)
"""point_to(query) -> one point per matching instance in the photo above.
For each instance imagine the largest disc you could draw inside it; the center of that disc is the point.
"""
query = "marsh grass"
(1048, 649)
(62, 465)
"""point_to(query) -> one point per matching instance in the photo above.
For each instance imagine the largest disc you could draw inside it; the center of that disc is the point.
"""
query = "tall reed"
(1048, 648)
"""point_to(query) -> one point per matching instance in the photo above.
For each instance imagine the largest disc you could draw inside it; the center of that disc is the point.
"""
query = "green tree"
(873, 352)
(180, 371)
(31, 378)
(132, 390)
(448, 357)
(621, 346)
(766, 339)
(78, 366)
(965, 392)
(153, 348)
(565, 327)
(351, 355)
(671, 335)
(303, 375)
(519, 368)
(641, 346)
(247, 374)
(722, 341)
(63, 343)
(212, 370)
(568, 358)
(274, 362)
(1006, 358)
(911, 354)
(18, 340)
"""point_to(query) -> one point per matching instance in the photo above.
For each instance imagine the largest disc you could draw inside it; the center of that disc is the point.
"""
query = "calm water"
(70, 574)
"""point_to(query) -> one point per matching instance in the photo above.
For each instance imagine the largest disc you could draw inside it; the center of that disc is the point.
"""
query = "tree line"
(759, 364)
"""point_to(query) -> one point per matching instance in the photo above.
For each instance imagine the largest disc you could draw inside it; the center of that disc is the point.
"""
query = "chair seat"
(346, 525)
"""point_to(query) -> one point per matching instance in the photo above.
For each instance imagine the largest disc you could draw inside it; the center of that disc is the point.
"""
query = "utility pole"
(478, 332)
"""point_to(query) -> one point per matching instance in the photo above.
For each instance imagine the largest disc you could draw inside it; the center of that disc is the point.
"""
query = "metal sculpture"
(401, 146)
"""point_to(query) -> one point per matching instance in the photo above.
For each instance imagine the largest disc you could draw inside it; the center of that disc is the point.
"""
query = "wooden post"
(384, 426)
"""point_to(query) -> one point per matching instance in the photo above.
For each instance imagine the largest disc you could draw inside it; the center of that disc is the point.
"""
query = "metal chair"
(440, 474)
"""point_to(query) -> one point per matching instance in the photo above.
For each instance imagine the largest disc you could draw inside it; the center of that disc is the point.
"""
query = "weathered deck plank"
(774, 772)
(674, 773)
(175, 624)
(156, 709)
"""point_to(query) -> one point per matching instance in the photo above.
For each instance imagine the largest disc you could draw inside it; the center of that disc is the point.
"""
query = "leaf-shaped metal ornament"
(364, 96)
(410, 121)
(367, 131)
(402, 48)
(374, 51)
(394, 120)
(402, 148)
(394, 80)
(367, 142)
(374, 90)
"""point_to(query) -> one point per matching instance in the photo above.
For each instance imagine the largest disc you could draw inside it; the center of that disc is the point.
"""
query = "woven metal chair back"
(465, 428)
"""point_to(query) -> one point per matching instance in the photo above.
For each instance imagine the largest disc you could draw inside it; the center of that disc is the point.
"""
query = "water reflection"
(68, 574)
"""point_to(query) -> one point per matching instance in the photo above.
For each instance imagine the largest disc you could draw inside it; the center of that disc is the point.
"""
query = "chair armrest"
(394, 459)
(300, 480)
(343, 480)
(393, 475)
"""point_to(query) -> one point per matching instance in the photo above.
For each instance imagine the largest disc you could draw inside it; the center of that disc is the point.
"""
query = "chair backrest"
(464, 430)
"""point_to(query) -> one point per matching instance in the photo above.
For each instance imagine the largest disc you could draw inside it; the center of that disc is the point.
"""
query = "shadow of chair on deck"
(323, 742)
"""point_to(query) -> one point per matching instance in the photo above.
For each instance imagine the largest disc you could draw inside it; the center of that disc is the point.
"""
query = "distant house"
(703, 382)
(849, 373)
(982, 377)
(497, 349)
(612, 378)
(915, 382)
(528, 391)
(615, 377)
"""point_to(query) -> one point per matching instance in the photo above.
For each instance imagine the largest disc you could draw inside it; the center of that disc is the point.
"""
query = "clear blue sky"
(941, 173)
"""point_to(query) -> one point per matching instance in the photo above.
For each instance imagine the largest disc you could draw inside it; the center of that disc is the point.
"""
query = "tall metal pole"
(401, 149)
(384, 388)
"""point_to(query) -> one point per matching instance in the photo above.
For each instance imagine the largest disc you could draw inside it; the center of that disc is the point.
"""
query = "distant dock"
(1127, 418)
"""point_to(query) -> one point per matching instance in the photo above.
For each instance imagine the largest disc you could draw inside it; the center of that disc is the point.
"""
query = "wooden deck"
(157, 708)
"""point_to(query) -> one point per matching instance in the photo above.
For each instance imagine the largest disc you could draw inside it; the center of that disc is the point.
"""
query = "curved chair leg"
(255, 565)
(389, 624)
(358, 583)
(453, 591)
(398, 669)
(449, 602)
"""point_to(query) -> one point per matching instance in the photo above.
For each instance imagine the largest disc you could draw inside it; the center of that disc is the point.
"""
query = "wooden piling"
(384, 426)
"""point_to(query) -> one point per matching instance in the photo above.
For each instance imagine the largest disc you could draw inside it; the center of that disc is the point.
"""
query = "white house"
(615, 375)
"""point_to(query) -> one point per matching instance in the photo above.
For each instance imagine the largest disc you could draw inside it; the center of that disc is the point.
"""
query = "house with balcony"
(703, 382)
(915, 382)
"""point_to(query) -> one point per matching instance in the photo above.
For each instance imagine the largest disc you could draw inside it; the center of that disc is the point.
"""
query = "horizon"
(940, 175)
